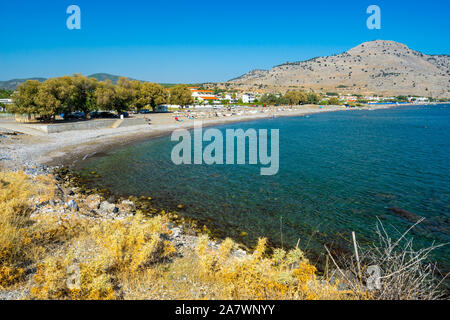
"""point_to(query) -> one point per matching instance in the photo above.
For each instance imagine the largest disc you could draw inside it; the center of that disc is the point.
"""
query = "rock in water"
(72, 205)
(405, 214)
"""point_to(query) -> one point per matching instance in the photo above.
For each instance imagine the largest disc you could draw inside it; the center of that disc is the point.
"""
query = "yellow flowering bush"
(107, 252)
(18, 193)
(283, 275)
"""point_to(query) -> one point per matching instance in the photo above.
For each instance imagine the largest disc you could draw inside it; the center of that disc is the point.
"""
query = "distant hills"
(14, 83)
(375, 67)
(106, 76)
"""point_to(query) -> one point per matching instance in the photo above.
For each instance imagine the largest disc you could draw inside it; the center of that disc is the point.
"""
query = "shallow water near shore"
(339, 172)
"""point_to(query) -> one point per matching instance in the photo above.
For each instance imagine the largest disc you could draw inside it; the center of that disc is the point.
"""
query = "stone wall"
(85, 125)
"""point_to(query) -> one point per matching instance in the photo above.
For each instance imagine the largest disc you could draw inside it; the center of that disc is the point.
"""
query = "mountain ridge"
(380, 66)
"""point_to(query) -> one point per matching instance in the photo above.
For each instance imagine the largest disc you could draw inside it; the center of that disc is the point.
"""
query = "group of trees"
(333, 101)
(291, 98)
(79, 93)
(4, 94)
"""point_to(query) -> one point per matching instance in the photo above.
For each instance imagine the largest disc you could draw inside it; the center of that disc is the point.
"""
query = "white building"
(203, 96)
(229, 97)
(420, 100)
(248, 98)
(372, 98)
(4, 102)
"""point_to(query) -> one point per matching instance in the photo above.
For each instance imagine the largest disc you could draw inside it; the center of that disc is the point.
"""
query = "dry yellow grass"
(217, 274)
(81, 258)
(104, 253)
(18, 245)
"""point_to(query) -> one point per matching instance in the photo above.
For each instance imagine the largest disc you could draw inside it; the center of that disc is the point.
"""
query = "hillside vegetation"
(381, 67)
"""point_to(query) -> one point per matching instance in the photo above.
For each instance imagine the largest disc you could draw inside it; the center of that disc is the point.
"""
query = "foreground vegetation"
(48, 251)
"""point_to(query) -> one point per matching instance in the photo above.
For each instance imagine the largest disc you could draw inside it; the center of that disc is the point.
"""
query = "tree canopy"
(25, 99)
(153, 95)
(334, 101)
(5, 94)
(296, 97)
(291, 98)
(181, 95)
(79, 93)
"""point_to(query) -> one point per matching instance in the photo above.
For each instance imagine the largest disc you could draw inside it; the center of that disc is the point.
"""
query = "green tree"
(125, 94)
(181, 95)
(334, 101)
(312, 98)
(5, 94)
(137, 99)
(82, 93)
(291, 97)
(295, 97)
(152, 95)
(106, 96)
(24, 100)
(77, 93)
(269, 98)
(49, 99)
(402, 99)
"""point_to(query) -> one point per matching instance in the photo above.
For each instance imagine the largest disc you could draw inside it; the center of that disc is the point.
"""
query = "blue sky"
(199, 41)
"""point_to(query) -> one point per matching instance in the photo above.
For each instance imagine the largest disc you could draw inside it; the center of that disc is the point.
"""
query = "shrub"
(283, 275)
(405, 273)
(18, 245)
(107, 252)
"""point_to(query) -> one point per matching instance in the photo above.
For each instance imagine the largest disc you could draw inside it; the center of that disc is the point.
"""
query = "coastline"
(45, 154)
(67, 148)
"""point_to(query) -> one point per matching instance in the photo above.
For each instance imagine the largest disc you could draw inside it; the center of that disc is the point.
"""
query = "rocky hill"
(382, 67)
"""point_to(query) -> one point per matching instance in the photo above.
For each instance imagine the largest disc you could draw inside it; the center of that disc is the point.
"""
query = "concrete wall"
(85, 125)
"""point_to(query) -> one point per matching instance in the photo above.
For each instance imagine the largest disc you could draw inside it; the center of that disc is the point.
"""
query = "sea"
(338, 172)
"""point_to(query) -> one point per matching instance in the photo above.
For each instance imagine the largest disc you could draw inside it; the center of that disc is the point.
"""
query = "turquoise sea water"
(338, 173)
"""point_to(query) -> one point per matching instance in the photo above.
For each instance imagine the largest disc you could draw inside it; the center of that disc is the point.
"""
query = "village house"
(4, 102)
(248, 98)
(203, 96)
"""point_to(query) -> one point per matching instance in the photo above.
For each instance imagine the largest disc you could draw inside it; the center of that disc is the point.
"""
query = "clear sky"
(200, 41)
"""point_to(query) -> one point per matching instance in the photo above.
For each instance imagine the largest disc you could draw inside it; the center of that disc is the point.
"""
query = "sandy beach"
(66, 148)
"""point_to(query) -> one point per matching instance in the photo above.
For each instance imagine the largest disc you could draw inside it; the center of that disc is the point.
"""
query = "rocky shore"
(73, 201)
